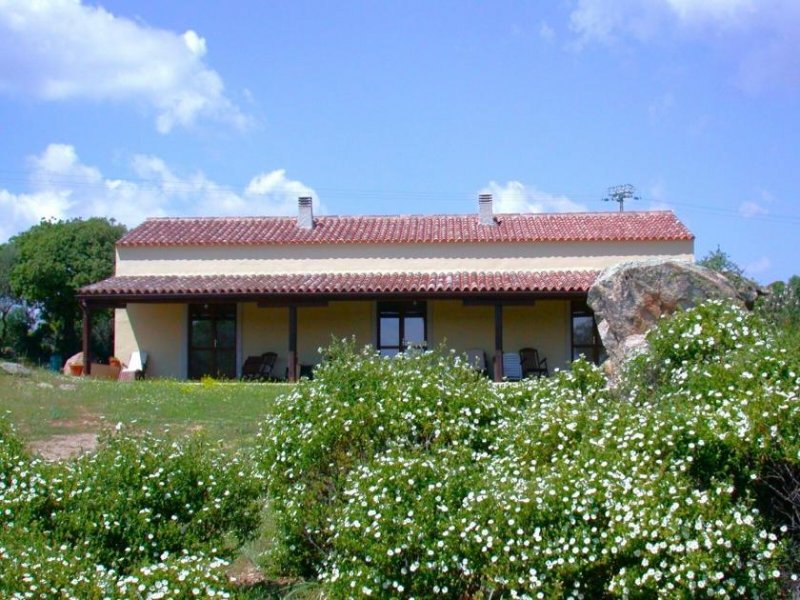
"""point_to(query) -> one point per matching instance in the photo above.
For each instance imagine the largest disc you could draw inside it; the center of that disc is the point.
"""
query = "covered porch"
(192, 329)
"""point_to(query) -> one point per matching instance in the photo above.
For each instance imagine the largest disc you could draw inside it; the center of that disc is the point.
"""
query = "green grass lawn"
(45, 403)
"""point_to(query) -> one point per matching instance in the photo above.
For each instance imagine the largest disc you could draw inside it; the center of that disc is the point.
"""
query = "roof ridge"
(402, 229)
(363, 273)
(586, 213)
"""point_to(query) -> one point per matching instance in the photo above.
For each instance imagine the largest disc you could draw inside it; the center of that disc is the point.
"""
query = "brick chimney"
(305, 213)
(485, 210)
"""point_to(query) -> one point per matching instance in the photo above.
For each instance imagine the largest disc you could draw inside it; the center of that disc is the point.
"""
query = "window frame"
(594, 352)
(402, 310)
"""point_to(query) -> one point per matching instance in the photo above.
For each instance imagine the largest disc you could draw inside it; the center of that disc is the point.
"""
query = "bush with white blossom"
(358, 406)
(140, 518)
(666, 486)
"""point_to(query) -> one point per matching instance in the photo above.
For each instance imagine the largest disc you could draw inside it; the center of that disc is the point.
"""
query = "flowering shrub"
(30, 566)
(359, 405)
(141, 517)
(665, 487)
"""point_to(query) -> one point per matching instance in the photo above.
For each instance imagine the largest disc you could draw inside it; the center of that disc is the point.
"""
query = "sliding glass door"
(212, 341)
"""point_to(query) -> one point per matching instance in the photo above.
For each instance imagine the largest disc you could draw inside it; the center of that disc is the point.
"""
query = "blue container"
(55, 362)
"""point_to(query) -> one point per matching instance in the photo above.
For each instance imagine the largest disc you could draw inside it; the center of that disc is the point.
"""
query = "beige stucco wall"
(544, 326)
(363, 258)
(159, 330)
(267, 329)
(316, 326)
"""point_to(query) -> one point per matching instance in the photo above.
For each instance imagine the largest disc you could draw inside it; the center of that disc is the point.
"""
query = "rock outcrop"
(629, 299)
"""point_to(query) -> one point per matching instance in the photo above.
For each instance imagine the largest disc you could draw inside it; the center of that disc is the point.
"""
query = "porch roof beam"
(495, 302)
(279, 303)
(476, 298)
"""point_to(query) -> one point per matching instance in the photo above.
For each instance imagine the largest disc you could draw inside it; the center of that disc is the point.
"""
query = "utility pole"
(620, 193)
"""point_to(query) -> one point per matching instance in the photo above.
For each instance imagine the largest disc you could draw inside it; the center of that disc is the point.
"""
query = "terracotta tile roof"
(344, 283)
(550, 227)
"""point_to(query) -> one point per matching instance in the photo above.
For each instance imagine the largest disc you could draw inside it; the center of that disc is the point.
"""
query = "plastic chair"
(512, 368)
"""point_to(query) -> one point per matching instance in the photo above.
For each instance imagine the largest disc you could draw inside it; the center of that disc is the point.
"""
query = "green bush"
(682, 482)
(32, 566)
(394, 534)
(359, 405)
(139, 512)
(138, 497)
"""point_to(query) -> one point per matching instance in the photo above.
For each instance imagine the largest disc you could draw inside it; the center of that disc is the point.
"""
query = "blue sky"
(137, 108)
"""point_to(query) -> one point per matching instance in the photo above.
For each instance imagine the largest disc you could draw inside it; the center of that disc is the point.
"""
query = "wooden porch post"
(87, 331)
(292, 342)
(498, 342)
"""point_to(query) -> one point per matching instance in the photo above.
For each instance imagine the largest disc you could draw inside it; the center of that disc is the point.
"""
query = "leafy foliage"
(358, 406)
(781, 306)
(665, 487)
(8, 300)
(140, 514)
(720, 261)
(56, 258)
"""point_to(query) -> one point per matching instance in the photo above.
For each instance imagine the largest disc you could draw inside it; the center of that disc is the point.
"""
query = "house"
(199, 295)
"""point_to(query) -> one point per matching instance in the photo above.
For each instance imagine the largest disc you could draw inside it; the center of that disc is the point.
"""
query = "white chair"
(137, 366)
(512, 367)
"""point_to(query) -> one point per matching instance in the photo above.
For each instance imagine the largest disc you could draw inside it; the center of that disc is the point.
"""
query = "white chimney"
(485, 211)
(305, 213)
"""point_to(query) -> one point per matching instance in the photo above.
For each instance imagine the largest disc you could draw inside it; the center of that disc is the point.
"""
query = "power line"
(620, 193)
(183, 186)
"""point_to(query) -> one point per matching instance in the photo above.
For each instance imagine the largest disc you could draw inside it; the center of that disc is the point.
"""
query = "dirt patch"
(60, 447)
(84, 421)
(244, 573)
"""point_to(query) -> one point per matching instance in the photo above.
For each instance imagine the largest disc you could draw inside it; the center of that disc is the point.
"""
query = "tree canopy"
(8, 255)
(53, 260)
(719, 260)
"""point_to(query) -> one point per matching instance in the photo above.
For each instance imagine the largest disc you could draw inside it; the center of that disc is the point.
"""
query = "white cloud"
(606, 20)
(759, 37)
(62, 187)
(58, 50)
(748, 210)
(282, 193)
(516, 197)
(721, 12)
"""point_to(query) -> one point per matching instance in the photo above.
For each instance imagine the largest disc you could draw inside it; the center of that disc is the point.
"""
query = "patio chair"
(259, 368)
(532, 364)
(136, 368)
(476, 358)
(512, 368)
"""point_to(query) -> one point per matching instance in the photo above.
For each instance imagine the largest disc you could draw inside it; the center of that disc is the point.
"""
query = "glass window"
(582, 330)
(401, 324)
(202, 333)
(390, 330)
(585, 338)
(414, 330)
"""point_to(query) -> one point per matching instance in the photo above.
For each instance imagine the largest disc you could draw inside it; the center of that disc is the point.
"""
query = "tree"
(55, 259)
(719, 260)
(8, 255)
(781, 306)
